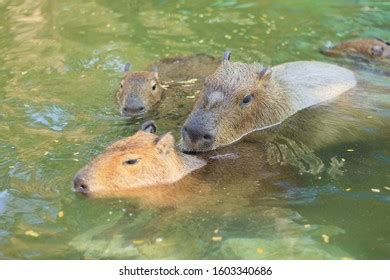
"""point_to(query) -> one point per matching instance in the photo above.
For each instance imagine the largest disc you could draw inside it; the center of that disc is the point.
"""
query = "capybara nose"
(80, 185)
(133, 110)
(197, 136)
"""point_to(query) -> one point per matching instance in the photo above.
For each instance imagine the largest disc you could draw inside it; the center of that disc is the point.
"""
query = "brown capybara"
(368, 48)
(142, 91)
(149, 168)
(239, 98)
(139, 91)
(139, 161)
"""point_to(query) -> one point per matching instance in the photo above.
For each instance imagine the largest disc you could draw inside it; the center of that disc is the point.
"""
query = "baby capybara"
(142, 91)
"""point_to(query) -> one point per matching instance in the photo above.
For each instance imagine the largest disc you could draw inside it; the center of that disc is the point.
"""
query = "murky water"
(315, 188)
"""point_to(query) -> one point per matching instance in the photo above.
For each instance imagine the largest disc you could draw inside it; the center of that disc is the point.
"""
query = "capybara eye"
(154, 87)
(247, 100)
(131, 161)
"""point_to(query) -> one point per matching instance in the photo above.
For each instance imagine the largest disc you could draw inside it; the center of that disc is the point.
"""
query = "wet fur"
(137, 84)
(370, 48)
(159, 164)
(278, 94)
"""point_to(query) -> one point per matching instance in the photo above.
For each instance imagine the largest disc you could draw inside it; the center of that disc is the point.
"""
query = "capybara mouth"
(189, 152)
(184, 148)
(81, 184)
(134, 115)
(81, 193)
(80, 189)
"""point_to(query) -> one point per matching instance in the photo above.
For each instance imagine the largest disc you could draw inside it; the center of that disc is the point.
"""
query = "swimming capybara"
(139, 91)
(139, 161)
(148, 168)
(368, 48)
(240, 98)
(142, 91)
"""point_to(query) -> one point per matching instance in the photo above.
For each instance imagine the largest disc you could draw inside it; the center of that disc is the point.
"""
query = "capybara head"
(139, 92)
(138, 161)
(235, 101)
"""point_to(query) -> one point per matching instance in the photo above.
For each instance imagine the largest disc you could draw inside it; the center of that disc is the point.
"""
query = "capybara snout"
(198, 135)
(133, 106)
(80, 183)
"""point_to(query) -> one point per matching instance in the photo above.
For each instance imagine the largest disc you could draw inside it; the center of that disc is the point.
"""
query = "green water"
(60, 64)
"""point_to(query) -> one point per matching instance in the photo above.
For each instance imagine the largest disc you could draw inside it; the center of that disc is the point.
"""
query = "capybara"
(149, 168)
(139, 91)
(139, 161)
(239, 98)
(368, 48)
(142, 91)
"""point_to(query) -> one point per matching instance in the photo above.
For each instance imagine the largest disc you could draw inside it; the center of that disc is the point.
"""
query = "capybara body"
(240, 98)
(368, 48)
(149, 168)
(142, 91)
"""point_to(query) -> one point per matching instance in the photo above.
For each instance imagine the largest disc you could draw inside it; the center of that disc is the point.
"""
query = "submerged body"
(240, 98)
(148, 167)
(142, 91)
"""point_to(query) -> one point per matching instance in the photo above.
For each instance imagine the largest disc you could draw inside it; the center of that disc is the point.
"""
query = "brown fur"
(158, 163)
(370, 48)
(144, 85)
(244, 79)
(165, 177)
(276, 95)
(139, 84)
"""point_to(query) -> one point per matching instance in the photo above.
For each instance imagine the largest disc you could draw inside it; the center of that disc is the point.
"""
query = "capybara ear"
(165, 143)
(265, 74)
(383, 41)
(127, 67)
(155, 71)
(377, 50)
(149, 126)
(226, 56)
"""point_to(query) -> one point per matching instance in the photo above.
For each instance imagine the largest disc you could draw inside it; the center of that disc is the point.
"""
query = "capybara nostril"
(140, 109)
(197, 136)
(189, 133)
(79, 185)
(137, 109)
(133, 110)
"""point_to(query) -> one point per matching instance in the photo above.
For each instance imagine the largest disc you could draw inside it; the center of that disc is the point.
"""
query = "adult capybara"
(142, 91)
(368, 48)
(240, 98)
